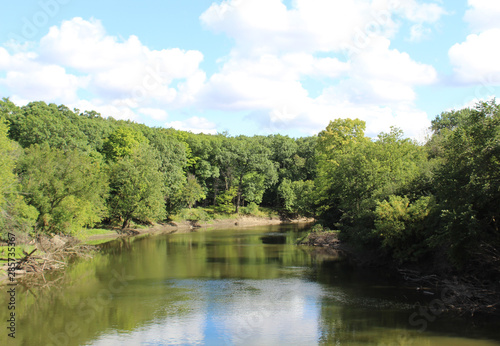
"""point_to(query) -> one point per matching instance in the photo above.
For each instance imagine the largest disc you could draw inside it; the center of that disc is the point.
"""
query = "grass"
(209, 214)
(85, 234)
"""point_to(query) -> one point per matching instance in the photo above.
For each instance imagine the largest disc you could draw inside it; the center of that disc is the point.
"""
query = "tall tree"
(68, 188)
(15, 214)
(247, 161)
(137, 187)
(122, 142)
(468, 182)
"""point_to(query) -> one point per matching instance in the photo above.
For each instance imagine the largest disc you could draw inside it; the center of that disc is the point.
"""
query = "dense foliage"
(409, 200)
(61, 170)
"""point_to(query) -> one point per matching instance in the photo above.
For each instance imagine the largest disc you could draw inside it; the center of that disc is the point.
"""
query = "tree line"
(62, 169)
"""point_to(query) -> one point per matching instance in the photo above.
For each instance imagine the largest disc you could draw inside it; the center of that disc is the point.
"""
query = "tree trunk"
(238, 202)
(216, 189)
(125, 223)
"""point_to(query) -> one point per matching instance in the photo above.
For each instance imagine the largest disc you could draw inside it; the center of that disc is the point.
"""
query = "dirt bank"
(190, 226)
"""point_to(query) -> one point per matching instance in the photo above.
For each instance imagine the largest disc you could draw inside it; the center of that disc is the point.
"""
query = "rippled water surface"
(242, 286)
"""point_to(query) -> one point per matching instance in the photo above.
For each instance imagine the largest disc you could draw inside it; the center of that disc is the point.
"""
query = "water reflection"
(235, 287)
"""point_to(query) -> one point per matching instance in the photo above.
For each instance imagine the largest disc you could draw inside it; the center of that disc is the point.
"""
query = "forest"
(62, 170)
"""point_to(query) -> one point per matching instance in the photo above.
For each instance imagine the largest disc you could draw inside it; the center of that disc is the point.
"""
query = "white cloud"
(420, 12)
(121, 77)
(194, 125)
(483, 15)
(116, 109)
(267, 26)
(376, 84)
(476, 60)
(122, 69)
(277, 51)
(26, 78)
(418, 32)
(154, 113)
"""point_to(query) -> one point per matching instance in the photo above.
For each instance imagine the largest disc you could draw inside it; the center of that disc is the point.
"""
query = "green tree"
(15, 214)
(192, 191)
(340, 182)
(172, 156)
(67, 188)
(137, 187)
(122, 142)
(245, 156)
(39, 123)
(468, 181)
(355, 173)
(225, 200)
(404, 227)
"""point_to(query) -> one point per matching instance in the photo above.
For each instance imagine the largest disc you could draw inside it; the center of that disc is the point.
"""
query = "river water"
(242, 286)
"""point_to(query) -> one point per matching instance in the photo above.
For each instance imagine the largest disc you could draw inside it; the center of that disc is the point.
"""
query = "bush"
(225, 201)
(251, 209)
(194, 214)
(401, 225)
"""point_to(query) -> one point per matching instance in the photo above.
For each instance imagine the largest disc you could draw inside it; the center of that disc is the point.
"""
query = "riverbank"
(49, 253)
(190, 226)
(461, 292)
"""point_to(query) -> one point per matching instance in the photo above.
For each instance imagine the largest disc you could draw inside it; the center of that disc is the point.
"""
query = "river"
(241, 286)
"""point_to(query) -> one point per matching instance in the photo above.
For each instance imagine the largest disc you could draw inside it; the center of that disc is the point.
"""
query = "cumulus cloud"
(266, 70)
(194, 125)
(483, 15)
(476, 59)
(121, 69)
(277, 51)
(125, 78)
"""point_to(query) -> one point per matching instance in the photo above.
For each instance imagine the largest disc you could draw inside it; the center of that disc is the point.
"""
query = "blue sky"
(253, 66)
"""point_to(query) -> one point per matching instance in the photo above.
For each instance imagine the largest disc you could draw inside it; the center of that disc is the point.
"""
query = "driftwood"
(53, 254)
(465, 295)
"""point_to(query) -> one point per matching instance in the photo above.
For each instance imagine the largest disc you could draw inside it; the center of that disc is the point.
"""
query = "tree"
(225, 201)
(404, 227)
(67, 188)
(340, 182)
(39, 123)
(192, 191)
(244, 156)
(468, 181)
(355, 173)
(137, 187)
(121, 143)
(15, 214)
(172, 156)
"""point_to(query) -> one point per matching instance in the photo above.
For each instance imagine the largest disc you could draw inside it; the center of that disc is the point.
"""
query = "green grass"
(84, 234)
(208, 214)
